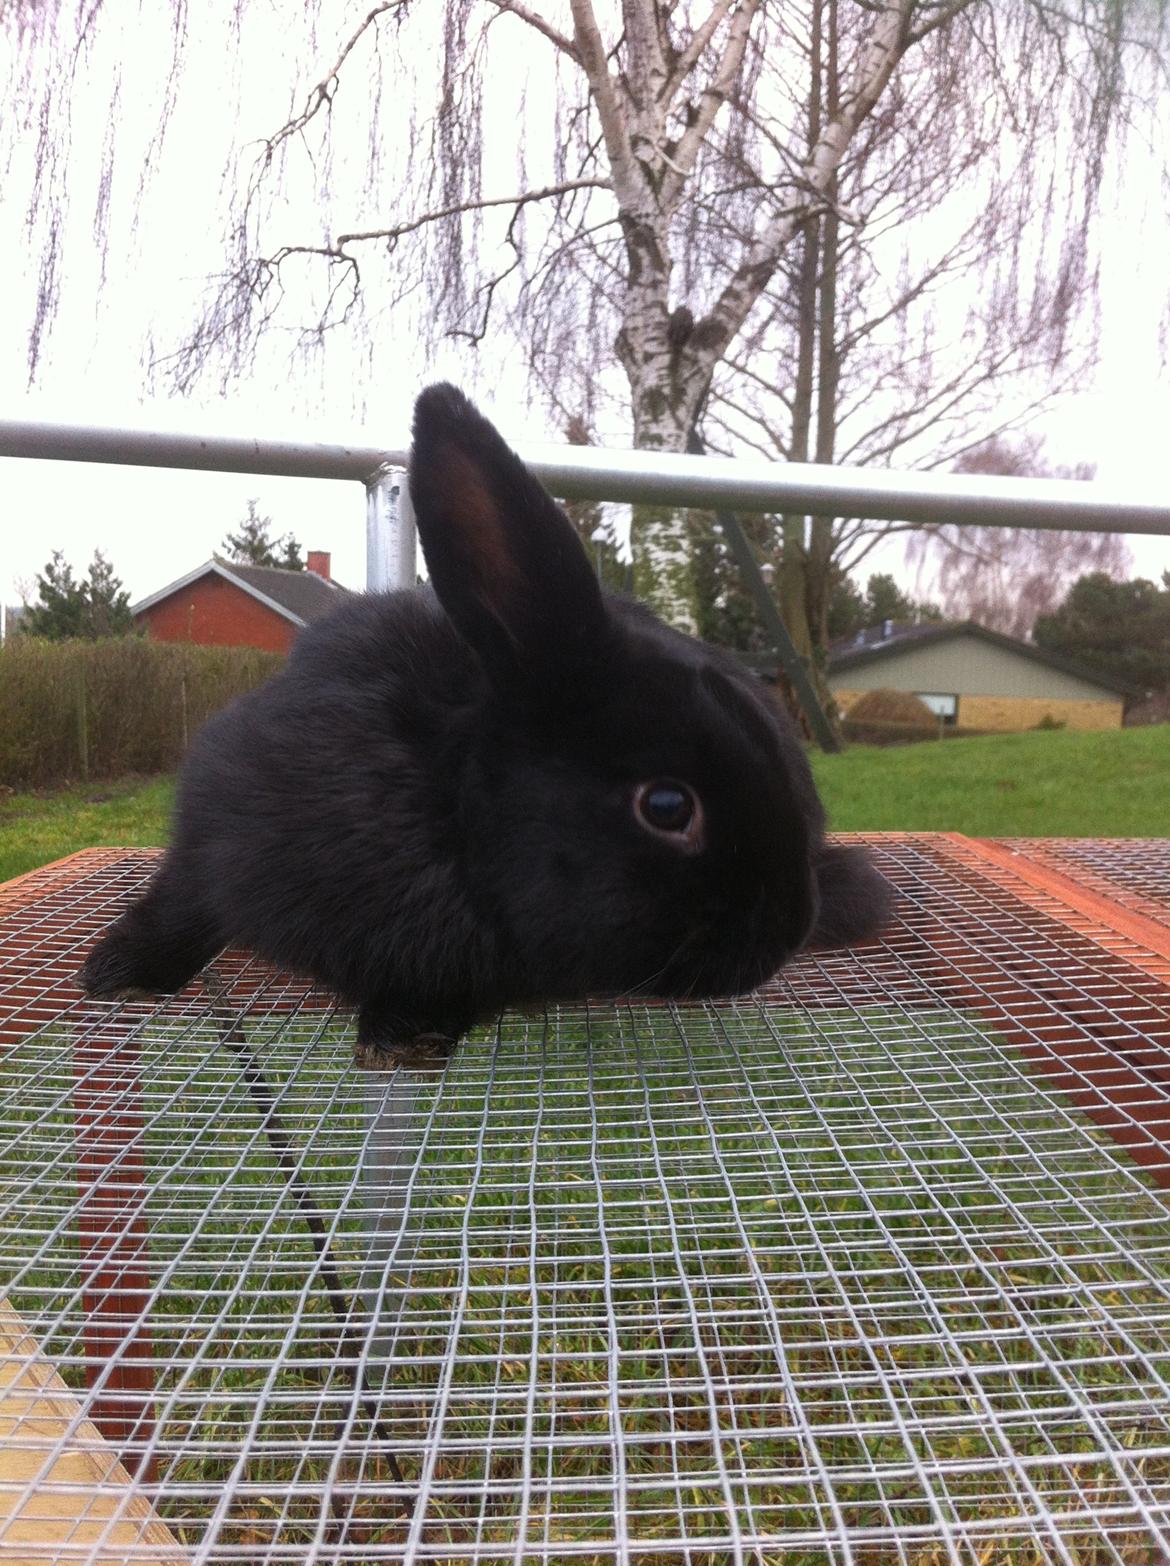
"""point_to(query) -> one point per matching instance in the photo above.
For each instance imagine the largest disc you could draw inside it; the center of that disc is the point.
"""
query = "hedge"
(71, 710)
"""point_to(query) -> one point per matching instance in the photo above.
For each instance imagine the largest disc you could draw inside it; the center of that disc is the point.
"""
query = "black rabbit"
(503, 789)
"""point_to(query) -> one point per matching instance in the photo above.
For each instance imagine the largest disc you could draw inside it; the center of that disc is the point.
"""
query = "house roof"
(297, 596)
(871, 647)
(889, 631)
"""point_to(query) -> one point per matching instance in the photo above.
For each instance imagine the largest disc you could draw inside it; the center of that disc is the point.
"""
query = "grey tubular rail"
(591, 473)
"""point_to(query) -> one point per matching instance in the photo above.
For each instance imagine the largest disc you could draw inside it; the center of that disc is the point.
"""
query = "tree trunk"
(664, 574)
(668, 357)
(808, 542)
(666, 390)
(794, 560)
(819, 583)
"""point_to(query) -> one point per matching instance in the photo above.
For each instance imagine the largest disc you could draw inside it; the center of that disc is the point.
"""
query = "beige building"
(975, 678)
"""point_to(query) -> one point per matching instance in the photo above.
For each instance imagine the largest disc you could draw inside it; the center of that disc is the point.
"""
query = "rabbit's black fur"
(431, 809)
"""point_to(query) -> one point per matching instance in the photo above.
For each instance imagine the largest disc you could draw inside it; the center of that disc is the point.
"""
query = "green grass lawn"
(38, 828)
(1115, 783)
(1063, 784)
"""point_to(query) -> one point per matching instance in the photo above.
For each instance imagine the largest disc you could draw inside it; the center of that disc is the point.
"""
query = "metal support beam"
(768, 610)
(773, 622)
(391, 1098)
(586, 473)
(390, 533)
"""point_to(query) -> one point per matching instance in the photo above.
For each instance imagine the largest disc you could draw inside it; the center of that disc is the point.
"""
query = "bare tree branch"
(595, 63)
(322, 93)
(535, 20)
(942, 14)
(877, 58)
(1006, 577)
(522, 198)
(693, 51)
(715, 94)
(645, 71)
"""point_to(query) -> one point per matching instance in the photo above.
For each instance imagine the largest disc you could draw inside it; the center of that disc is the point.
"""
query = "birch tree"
(656, 207)
(954, 194)
(652, 96)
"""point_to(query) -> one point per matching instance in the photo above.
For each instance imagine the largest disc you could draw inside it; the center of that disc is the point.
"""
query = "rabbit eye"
(669, 809)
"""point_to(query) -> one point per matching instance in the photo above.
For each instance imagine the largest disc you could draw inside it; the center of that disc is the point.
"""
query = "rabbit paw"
(386, 1041)
(423, 1052)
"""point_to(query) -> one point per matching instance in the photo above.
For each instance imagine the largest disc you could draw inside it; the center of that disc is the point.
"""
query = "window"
(944, 707)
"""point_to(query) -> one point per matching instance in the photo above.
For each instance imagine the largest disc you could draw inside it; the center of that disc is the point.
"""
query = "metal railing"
(721, 484)
(590, 473)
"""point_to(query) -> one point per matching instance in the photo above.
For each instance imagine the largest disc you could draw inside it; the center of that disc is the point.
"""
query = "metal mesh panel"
(1135, 871)
(872, 1267)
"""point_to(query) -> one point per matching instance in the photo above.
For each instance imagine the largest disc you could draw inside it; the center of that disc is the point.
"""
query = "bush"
(886, 706)
(83, 710)
(1154, 708)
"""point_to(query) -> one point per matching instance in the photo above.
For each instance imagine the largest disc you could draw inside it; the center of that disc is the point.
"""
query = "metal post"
(390, 538)
(387, 1157)
(789, 659)
(391, 1098)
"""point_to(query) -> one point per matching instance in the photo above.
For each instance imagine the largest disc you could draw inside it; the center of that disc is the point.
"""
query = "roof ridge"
(850, 653)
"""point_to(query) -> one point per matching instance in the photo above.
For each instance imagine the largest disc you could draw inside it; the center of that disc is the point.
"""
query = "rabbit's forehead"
(671, 706)
(692, 721)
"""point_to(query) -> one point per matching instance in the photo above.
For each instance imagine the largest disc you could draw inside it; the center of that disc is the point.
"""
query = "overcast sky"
(155, 525)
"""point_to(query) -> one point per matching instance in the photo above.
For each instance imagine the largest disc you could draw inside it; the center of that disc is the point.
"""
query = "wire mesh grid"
(1135, 871)
(874, 1266)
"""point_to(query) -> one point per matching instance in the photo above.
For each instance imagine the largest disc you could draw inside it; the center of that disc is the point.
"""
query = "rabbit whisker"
(643, 987)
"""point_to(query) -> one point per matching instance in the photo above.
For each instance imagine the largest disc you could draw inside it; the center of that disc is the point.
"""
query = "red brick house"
(222, 604)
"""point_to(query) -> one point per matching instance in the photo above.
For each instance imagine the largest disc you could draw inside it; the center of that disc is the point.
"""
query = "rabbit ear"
(504, 560)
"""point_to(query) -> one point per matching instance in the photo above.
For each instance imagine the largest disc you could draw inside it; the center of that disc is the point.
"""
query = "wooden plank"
(1056, 1021)
(62, 1487)
(114, 1239)
(1046, 879)
(27, 888)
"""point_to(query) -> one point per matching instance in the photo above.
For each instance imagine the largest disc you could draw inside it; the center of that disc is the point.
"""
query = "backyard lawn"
(37, 828)
(1062, 784)
(1112, 783)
